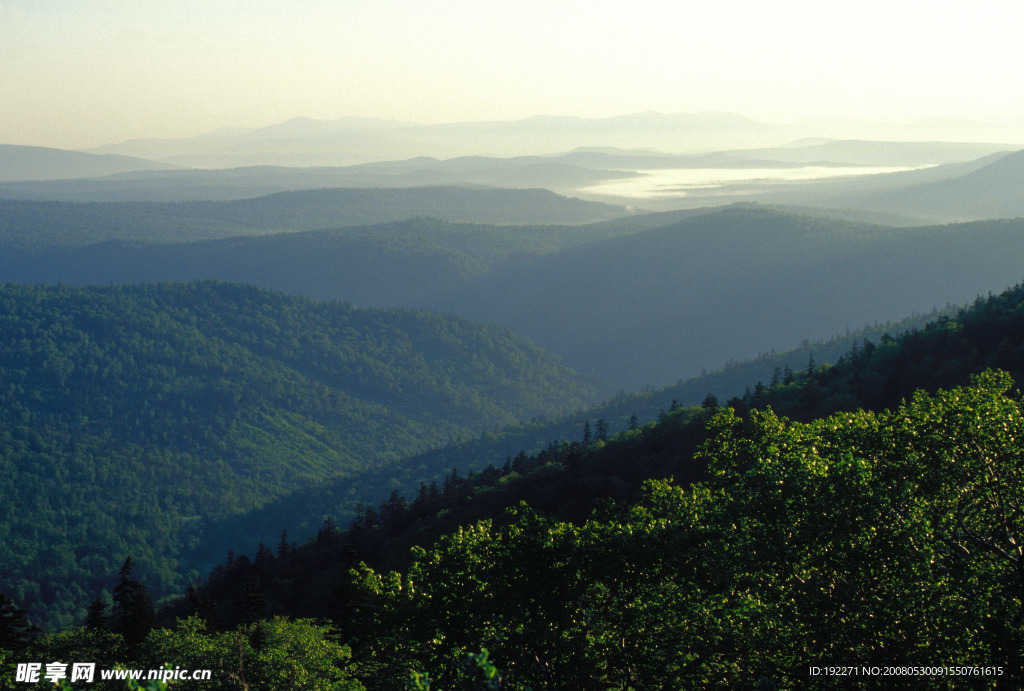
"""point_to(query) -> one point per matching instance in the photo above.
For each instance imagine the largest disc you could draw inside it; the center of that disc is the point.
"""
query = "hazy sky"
(79, 73)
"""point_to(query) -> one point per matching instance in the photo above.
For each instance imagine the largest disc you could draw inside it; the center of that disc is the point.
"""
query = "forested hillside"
(665, 303)
(887, 537)
(39, 225)
(388, 265)
(608, 457)
(301, 512)
(131, 417)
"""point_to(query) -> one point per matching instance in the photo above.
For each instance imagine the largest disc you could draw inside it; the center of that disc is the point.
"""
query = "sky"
(82, 73)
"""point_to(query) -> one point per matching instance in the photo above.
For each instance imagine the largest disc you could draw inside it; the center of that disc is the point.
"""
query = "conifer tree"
(132, 614)
(96, 618)
(252, 605)
(283, 551)
(16, 632)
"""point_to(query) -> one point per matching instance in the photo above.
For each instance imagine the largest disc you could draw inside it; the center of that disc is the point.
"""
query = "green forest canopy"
(131, 417)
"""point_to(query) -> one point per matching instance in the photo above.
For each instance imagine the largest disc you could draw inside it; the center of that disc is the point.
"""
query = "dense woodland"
(862, 512)
(135, 418)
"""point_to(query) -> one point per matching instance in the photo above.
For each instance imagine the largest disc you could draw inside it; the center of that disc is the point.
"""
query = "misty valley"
(683, 182)
(595, 414)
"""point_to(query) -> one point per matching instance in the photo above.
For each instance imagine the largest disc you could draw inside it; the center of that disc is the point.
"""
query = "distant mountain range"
(41, 163)
(307, 142)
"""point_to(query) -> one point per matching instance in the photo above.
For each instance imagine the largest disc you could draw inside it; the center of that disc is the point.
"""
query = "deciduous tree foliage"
(878, 539)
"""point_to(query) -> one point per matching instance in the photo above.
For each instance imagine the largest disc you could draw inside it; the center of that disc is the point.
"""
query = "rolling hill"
(667, 302)
(132, 417)
(19, 163)
(555, 173)
(35, 225)
(995, 190)
(642, 300)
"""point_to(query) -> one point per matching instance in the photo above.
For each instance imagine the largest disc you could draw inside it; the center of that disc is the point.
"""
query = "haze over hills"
(41, 163)
(308, 142)
(985, 188)
(995, 190)
(530, 172)
(374, 266)
(733, 283)
(946, 192)
(641, 300)
(871, 177)
(36, 225)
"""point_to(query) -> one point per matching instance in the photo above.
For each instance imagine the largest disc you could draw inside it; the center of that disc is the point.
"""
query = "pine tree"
(252, 604)
(16, 632)
(132, 614)
(283, 553)
(787, 375)
(96, 618)
(264, 560)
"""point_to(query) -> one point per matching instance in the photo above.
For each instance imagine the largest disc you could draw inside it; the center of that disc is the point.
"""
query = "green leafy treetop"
(887, 539)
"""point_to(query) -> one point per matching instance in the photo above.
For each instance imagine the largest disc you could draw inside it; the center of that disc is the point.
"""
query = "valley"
(373, 365)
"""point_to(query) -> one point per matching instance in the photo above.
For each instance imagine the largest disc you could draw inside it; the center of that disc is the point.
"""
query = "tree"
(270, 655)
(132, 612)
(283, 549)
(96, 618)
(16, 632)
(868, 536)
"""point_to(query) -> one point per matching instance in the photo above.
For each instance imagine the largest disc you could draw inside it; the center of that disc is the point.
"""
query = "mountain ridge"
(29, 163)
